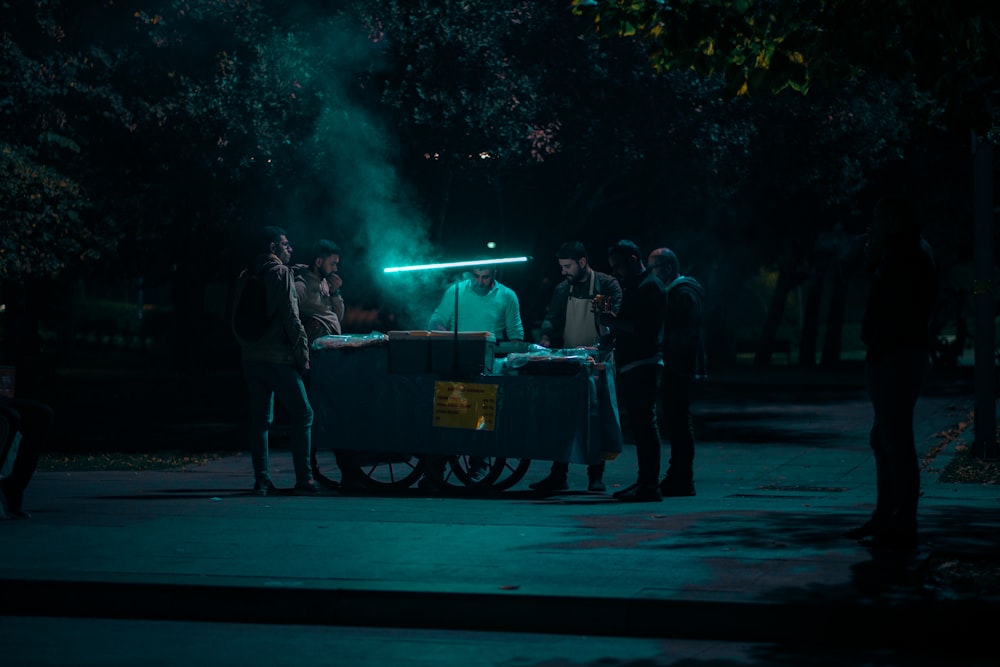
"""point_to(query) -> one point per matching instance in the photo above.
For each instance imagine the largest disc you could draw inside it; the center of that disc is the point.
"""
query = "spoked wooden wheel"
(495, 473)
(387, 470)
(512, 472)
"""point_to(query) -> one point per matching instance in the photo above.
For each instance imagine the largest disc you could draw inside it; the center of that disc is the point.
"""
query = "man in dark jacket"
(571, 321)
(275, 364)
(895, 329)
(638, 333)
(683, 361)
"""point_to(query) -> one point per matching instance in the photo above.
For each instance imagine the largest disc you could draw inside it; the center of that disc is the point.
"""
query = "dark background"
(141, 145)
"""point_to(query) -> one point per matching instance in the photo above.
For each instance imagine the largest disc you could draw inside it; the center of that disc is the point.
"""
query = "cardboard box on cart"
(467, 355)
(409, 351)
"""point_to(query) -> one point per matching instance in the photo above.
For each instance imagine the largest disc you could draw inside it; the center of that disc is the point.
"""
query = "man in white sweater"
(484, 304)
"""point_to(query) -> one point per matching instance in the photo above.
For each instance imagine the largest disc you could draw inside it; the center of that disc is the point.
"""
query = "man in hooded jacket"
(276, 364)
(683, 361)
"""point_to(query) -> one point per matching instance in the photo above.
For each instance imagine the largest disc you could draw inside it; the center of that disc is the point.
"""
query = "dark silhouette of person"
(895, 329)
(31, 421)
(683, 361)
(638, 332)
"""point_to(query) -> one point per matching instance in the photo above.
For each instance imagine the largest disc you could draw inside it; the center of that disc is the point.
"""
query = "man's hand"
(335, 282)
(544, 341)
(607, 318)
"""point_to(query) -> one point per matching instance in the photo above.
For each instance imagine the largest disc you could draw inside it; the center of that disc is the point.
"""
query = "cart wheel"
(511, 473)
(395, 472)
(501, 473)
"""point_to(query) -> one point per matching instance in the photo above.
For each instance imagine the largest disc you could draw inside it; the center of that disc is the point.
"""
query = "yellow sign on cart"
(465, 405)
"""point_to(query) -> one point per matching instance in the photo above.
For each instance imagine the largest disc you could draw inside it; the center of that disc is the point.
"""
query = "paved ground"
(185, 567)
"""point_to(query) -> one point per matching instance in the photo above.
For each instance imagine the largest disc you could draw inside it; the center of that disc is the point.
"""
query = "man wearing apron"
(570, 321)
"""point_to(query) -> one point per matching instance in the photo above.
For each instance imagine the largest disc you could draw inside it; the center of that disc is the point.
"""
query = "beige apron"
(580, 329)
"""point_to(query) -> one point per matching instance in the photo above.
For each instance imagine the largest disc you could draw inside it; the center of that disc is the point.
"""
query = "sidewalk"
(756, 557)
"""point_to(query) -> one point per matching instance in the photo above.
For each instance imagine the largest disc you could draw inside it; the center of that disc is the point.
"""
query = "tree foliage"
(462, 74)
(42, 227)
(47, 216)
(143, 113)
(524, 93)
(770, 45)
(144, 138)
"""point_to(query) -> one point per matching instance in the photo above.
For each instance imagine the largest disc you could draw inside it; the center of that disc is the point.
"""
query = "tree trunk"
(833, 341)
(985, 423)
(724, 284)
(810, 320)
(787, 280)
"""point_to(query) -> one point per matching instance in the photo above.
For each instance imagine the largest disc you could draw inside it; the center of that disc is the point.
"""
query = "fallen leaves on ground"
(964, 468)
(137, 461)
(959, 575)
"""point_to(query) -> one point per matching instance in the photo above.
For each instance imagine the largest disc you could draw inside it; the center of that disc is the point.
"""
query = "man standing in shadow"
(683, 361)
(638, 332)
(895, 328)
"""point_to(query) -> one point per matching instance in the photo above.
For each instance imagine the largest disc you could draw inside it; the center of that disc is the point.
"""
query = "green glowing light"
(449, 265)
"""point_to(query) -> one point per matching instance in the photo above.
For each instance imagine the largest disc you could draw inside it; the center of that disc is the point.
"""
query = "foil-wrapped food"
(349, 340)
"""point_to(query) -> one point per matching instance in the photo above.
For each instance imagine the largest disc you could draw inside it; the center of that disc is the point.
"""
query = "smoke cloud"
(366, 207)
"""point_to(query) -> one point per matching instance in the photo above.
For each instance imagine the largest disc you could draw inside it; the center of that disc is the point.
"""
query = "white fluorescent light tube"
(449, 265)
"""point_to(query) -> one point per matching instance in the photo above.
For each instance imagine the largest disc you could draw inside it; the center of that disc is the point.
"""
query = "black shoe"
(673, 489)
(328, 484)
(550, 483)
(353, 485)
(325, 482)
(309, 488)
(478, 473)
(627, 489)
(892, 539)
(265, 488)
(430, 484)
(866, 529)
(10, 511)
(640, 493)
(596, 485)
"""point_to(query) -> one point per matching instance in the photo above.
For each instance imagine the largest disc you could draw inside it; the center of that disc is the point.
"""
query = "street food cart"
(397, 400)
